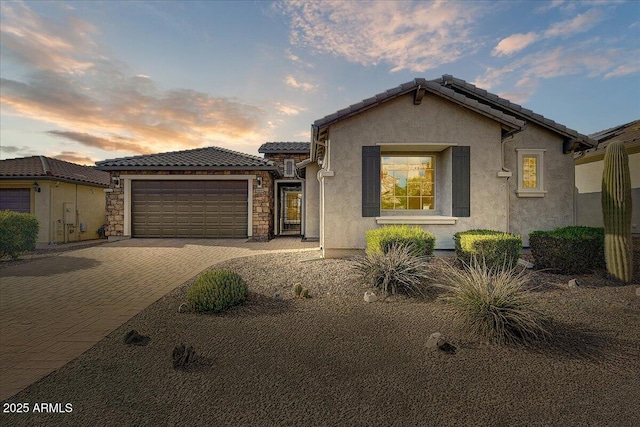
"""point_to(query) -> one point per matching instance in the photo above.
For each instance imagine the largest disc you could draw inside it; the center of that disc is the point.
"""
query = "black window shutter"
(461, 177)
(370, 181)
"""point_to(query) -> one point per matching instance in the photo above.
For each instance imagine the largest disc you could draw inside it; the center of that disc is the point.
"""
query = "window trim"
(539, 191)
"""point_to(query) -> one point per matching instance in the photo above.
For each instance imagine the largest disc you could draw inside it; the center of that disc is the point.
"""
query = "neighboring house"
(589, 168)
(289, 190)
(443, 155)
(206, 192)
(68, 199)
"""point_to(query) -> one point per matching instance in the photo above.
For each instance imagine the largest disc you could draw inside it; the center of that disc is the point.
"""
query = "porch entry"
(288, 208)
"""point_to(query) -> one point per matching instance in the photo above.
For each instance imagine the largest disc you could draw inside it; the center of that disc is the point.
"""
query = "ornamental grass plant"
(398, 270)
(492, 303)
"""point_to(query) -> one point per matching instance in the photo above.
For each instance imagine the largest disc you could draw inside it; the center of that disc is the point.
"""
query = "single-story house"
(205, 192)
(590, 165)
(440, 154)
(289, 190)
(68, 199)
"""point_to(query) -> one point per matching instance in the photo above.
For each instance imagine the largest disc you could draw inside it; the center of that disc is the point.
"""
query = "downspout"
(506, 173)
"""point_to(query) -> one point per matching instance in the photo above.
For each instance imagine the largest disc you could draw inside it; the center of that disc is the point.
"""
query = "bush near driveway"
(217, 290)
(492, 302)
(495, 247)
(380, 240)
(18, 233)
(570, 250)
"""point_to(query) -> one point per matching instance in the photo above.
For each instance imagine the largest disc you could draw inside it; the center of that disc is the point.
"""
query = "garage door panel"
(189, 209)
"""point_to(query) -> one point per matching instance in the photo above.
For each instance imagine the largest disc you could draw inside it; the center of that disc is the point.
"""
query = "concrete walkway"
(55, 308)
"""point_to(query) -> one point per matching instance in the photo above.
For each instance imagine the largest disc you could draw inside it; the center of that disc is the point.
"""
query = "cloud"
(71, 83)
(586, 58)
(415, 36)
(305, 86)
(624, 69)
(12, 149)
(116, 143)
(514, 43)
(73, 157)
(580, 24)
(289, 110)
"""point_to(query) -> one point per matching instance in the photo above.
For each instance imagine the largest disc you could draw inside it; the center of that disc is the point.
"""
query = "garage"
(15, 199)
(186, 208)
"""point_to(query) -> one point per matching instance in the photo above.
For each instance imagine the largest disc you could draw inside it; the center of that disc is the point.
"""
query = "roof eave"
(185, 168)
(53, 178)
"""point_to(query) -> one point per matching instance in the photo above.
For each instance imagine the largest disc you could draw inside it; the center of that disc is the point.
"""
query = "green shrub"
(495, 247)
(569, 250)
(18, 233)
(492, 303)
(397, 270)
(217, 290)
(379, 240)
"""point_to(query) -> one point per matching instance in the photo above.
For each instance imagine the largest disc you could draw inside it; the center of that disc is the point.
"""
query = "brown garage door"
(15, 199)
(189, 208)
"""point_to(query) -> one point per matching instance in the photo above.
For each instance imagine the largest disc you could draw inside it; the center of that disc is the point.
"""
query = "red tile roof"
(41, 167)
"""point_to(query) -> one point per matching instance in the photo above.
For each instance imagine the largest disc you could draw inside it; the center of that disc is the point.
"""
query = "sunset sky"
(92, 80)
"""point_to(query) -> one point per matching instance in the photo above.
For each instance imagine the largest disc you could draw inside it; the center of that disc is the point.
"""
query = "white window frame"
(539, 191)
(413, 154)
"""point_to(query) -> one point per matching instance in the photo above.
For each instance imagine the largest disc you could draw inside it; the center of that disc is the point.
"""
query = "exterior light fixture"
(36, 187)
(259, 181)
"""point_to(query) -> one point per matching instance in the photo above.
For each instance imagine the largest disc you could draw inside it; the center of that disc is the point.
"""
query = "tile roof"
(510, 108)
(629, 133)
(284, 147)
(208, 158)
(464, 94)
(41, 167)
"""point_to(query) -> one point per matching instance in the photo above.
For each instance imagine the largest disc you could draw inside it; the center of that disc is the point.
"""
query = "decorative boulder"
(183, 356)
(435, 340)
(134, 338)
(369, 296)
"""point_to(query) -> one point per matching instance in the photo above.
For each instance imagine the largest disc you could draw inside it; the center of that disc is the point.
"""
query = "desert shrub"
(217, 290)
(570, 250)
(495, 247)
(396, 271)
(18, 233)
(380, 240)
(493, 304)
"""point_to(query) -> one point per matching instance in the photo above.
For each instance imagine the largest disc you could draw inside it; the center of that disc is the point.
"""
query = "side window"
(530, 173)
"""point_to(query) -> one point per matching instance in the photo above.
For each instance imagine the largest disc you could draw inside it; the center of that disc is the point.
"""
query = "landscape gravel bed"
(335, 360)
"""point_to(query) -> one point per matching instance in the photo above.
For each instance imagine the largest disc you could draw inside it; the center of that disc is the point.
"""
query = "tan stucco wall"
(400, 122)
(589, 186)
(556, 208)
(48, 206)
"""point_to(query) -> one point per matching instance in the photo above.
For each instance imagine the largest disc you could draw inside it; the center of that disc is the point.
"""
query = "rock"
(369, 296)
(525, 263)
(435, 340)
(447, 348)
(573, 284)
(134, 338)
(638, 292)
(277, 297)
(183, 356)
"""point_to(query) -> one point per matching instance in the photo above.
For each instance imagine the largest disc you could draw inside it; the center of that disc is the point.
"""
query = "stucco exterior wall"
(589, 187)
(556, 208)
(399, 122)
(262, 208)
(48, 206)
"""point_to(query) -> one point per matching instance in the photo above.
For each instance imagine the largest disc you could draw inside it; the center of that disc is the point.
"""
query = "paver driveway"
(53, 309)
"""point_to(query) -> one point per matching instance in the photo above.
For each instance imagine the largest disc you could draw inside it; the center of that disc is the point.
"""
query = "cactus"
(297, 290)
(616, 211)
(305, 293)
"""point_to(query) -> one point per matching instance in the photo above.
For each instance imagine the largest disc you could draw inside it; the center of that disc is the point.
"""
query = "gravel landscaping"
(335, 360)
